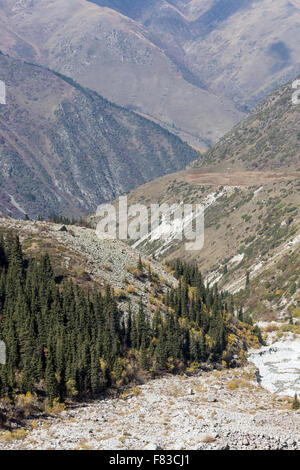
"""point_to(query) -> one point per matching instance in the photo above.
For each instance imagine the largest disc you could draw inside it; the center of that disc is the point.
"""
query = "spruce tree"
(52, 389)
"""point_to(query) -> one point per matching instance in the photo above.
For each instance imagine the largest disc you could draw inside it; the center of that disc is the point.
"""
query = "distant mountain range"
(236, 48)
(64, 149)
(194, 66)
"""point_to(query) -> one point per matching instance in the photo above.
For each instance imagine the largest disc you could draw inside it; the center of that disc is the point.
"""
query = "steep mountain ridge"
(65, 149)
(77, 254)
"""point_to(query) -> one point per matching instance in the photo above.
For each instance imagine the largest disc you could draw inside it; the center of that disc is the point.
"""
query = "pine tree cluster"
(64, 341)
(54, 335)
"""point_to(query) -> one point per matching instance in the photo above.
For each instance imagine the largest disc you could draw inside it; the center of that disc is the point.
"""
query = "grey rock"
(211, 398)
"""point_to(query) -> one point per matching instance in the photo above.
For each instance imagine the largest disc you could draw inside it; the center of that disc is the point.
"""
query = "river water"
(279, 367)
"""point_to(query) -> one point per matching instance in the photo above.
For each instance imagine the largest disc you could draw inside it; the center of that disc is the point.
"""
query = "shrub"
(121, 294)
(107, 267)
(26, 403)
(19, 434)
(233, 385)
(131, 289)
(134, 271)
(296, 403)
(296, 312)
(56, 407)
(71, 388)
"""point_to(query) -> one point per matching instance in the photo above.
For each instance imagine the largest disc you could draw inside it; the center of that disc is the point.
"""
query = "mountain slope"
(116, 56)
(240, 49)
(64, 149)
(252, 218)
(194, 67)
(62, 348)
(267, 139)
(78, 255)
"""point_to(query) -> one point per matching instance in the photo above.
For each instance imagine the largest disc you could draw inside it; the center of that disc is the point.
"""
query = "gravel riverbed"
(216, 410)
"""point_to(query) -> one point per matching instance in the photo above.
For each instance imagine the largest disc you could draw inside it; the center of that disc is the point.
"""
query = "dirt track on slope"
(202, 177)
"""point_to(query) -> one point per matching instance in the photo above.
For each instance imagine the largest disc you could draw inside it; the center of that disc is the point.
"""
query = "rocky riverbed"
(226, 409)
(214, 410)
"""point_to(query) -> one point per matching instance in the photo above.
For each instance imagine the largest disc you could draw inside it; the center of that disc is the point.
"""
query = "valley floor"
(215, 410)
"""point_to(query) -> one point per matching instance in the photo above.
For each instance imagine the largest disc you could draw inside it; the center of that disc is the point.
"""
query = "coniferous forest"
(64, 341)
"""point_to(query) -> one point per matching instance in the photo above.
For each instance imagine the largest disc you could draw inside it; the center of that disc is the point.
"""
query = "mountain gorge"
(111, 368)
(65, 149)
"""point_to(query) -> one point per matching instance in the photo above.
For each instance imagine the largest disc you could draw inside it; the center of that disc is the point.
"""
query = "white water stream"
(279, 367)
